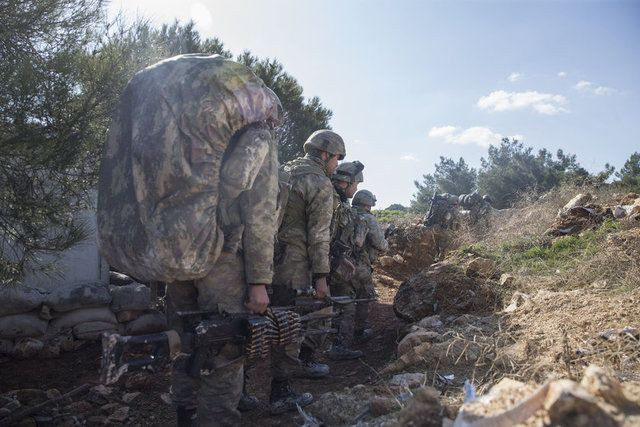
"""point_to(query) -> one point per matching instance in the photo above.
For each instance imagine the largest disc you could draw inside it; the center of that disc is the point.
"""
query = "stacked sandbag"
(131, 304)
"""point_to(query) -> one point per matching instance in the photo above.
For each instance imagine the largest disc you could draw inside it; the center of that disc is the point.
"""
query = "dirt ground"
(82, 366)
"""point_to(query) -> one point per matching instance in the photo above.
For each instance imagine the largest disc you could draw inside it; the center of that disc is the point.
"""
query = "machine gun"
(206, 332)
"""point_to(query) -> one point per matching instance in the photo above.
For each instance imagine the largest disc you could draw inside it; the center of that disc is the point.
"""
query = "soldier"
(175, 106)
(348, 235)
(375, 244)
(302, 255)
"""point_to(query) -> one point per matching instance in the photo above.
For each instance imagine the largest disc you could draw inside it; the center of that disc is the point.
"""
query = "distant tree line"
(511, 169)
(63, 68)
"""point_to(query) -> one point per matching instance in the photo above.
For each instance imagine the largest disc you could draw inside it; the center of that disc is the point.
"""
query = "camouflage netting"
(158, 189)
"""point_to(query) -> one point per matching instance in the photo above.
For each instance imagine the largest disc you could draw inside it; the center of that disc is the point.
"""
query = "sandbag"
(148, 323)
(73, 318)
(135, 296)
(158, 185)
(22, 325)
(19, 299)
(72, 297)
(92, 331)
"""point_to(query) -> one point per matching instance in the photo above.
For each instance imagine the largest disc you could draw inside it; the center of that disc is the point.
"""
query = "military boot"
(283, 399)
(363, 335)
(309, 367)
(186, 417)
(339, 351)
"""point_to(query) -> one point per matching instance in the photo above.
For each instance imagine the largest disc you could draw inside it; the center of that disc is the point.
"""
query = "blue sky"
(409, 81)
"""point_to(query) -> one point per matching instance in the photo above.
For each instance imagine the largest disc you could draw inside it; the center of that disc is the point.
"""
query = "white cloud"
(591, 88)
(514, 77)
(562, 74)
(409, 158)
(477, 135)
(543, 103)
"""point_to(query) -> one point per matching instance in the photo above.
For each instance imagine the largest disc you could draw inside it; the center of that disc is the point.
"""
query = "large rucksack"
(158, 187)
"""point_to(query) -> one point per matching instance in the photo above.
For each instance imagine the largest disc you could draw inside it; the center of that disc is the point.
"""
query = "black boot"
(310, 368)
(187, 416)
(283, 399)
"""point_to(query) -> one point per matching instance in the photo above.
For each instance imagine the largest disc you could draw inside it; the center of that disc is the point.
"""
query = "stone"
(380, 406)
(121, 414)
(22, 325)
(73, 297)
(102, 390)
(138, 381)
(53, 393)
(398, 259)
(29, 396)
(342, 407)
(26, 348)
(386, 261)
(80, 407)
(128, 315)
(578, 200)
(148, 323)
(72, 318)
(414, 339)
(409, 380)
(599, 383)
(134, 296)
(431, 322)
(19, 299)
(97, 419)
(130, 397)
(6, 346)
(166, 398)
(92, 331)
(423, 410)
(507, 280)
(110, 408)
(442, 288)
(481, 267)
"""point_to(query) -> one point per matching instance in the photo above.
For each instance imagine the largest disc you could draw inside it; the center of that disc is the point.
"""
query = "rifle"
(206, 332)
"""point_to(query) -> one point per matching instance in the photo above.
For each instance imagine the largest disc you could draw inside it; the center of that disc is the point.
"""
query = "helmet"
(364, 197)
(349, 172)
(326, 140)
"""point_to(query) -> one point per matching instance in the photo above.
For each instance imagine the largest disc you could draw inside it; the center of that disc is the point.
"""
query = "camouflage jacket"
(248, 196)
(375, 242)
(348, 230)
(302, 247)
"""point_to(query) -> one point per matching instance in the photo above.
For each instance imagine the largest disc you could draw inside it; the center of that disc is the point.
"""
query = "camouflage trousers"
(353, 317)
(217, 393)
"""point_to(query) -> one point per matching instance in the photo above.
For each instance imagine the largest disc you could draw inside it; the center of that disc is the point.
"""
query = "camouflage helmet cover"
(350, 172)
(365, 198)
(326, 140)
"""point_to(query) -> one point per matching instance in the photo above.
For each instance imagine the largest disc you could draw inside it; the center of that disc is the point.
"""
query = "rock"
(629, 199)
(128, 315)
(409, 380)
(73, 297)
(92, 331)
(9, 403)
(121, 414)
(380, 406)
(398, 259)
(102, 390)
(138, 381)
(568, 404)
(386, 280)
(26, 348)
(51, 350)
(29, 396)
(481, 267)
(386, 261)
(19, 299)
(507, 280)
(578, 200)
(119, 279)
(423, 410)
(414, 339)
(342, 407)
(53, 393)
(134, 296)
(97, 419)
(6, 346)
(22, 325)
(148, 323)
(166, 398)
(431, 322)
(68, 343)
(442, 288)
(80, 407)
(110, 408)
(130, 397)
(599, 383)
(83, 315)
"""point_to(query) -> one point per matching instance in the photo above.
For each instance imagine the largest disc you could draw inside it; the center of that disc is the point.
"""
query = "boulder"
(6, 346)
(134, 296)
(442, 288)
(83, 315)
(481, 267)
(409, 380)
(431, 323)
(73, 297)
(22, 325)
(92, 331)
(19, 299)
(148, 323)
(26, 348)
(578, 200)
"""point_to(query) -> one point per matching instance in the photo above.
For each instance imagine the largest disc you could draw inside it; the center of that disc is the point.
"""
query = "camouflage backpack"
(158, 187)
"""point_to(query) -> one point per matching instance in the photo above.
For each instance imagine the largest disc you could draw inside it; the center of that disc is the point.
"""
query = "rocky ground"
(531, 320)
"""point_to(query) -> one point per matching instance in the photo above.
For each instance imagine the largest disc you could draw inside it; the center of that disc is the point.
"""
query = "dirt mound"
(445, 288)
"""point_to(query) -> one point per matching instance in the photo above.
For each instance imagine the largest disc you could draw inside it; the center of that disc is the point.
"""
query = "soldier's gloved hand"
(322, 290)
(257, 299)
